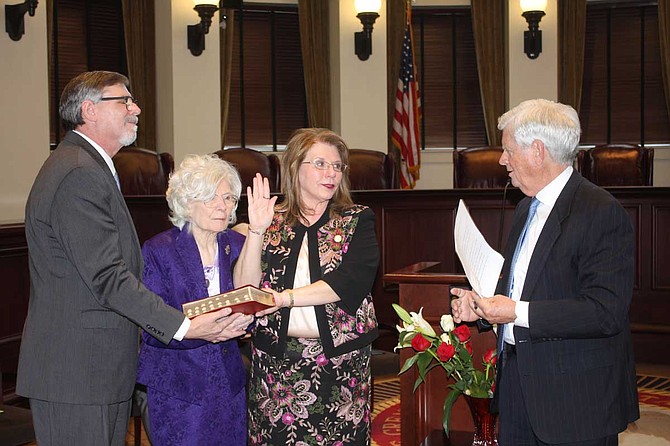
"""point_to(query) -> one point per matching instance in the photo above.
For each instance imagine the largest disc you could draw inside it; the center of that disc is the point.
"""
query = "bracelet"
(290, 298)
(255, 231)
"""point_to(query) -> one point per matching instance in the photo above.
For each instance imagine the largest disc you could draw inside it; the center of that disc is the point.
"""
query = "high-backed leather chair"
(249, 161)
(618, 165)
(370, 170)
(142, 171)
(478, 168)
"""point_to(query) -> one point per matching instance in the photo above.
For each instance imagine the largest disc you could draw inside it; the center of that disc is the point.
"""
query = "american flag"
(407, 117)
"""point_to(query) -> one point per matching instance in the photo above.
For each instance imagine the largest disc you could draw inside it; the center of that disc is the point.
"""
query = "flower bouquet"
(452, 351)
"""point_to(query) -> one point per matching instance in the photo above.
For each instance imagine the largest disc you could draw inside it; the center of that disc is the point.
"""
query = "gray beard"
(128, 139)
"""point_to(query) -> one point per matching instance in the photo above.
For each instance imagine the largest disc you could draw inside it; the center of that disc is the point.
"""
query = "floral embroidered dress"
(316, 391)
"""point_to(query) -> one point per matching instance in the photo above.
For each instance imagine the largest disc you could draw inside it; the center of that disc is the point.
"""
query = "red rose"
(419, 343)
(490, 356)
(462, 332)
(468, 347)
(445, 352)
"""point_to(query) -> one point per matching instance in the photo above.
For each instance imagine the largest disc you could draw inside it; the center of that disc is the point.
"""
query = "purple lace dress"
(196, 389)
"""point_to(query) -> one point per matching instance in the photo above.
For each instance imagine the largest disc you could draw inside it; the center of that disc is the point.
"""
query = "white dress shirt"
(547, 198)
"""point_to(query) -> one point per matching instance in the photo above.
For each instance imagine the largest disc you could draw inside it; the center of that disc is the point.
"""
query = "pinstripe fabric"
(575, 361)
(80, 339)
(62, 424)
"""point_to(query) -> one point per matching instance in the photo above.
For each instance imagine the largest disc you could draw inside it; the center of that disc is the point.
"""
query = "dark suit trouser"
(60, 424)
(514, 427)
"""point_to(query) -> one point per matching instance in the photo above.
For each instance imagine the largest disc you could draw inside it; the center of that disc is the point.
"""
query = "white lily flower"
(405, 327)
(447, 323)
(421, 325)
(444, 337)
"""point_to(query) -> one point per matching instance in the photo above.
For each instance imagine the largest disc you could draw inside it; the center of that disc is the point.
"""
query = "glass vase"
(484, 420)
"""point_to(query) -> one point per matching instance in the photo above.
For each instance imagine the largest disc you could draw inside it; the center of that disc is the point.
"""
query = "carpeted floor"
(652, 429)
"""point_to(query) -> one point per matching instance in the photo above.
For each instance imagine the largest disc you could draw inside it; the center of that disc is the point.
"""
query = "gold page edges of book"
(247, 300)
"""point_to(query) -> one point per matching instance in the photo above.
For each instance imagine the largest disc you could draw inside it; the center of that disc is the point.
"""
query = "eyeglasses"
(128, 101)
(228, 199)
(338, 166)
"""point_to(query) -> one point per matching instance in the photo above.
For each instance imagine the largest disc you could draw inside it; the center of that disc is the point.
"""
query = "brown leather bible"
(247, 299)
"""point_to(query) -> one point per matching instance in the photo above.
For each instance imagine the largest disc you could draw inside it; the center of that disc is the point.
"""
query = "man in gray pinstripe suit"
(80, 341)
(566, 374)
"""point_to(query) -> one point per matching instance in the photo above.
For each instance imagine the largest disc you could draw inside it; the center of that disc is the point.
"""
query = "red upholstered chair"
(478, 168)
(248, 162)
(371, 170)
(617, 165)
(143, 172)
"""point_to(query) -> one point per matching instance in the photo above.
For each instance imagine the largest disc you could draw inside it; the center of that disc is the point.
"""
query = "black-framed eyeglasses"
(228, 199)
(338, 166)
(128, 101)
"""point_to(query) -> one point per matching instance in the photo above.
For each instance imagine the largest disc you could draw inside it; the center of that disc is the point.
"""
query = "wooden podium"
(424, 285)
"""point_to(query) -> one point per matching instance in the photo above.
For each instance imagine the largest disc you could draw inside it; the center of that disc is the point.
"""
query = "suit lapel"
(225, 270)
(77, 140)
(550, 232)
(189, 257)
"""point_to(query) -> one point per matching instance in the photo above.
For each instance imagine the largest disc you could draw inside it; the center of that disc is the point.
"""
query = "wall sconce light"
(368, 11)
(533, 11)
(14, 23)
(196, 33)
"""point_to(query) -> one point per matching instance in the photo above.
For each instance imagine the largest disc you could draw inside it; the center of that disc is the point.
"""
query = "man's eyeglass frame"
(128, 101)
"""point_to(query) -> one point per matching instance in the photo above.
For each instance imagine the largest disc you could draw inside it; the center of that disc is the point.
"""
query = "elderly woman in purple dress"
(317, 252)
(196, 389)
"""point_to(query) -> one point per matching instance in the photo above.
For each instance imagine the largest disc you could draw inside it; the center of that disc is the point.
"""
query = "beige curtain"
(139, 29)
(50, 60)
(571, 38)
(488, 28)
(664, 38)
(396, 20)
(314, 35)
(226, 58)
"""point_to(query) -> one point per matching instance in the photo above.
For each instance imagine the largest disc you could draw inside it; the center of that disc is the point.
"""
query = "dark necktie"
(519, 244)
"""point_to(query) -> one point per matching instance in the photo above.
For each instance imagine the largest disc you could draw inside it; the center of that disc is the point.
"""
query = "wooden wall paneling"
(660, 233)
(14, 301)
(411, 226)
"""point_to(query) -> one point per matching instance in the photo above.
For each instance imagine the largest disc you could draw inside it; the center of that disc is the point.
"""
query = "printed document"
(482, 264)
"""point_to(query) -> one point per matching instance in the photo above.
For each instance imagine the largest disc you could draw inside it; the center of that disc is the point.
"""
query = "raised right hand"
(261, 204)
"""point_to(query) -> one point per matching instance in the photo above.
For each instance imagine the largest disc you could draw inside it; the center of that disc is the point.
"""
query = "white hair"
(555, 124)
(197, 179)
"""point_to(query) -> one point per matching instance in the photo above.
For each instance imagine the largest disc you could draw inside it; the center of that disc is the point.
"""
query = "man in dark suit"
(566, 374)
(80, 341)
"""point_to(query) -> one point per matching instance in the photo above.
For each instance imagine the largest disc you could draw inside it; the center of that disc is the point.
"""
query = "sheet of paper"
(482, 264)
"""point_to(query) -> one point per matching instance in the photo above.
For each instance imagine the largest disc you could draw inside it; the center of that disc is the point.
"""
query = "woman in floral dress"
(317, 252)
